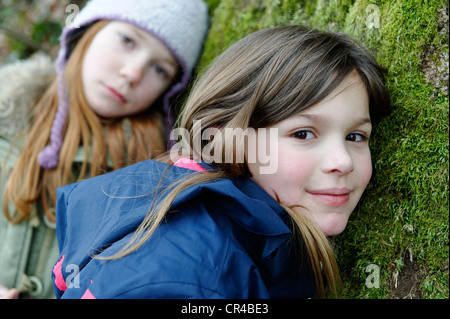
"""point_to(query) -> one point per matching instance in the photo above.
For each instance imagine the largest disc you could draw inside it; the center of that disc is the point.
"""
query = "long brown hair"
(105, 142)
(259, 81)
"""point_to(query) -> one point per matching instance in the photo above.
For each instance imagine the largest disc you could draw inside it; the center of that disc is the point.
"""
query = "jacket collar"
(247, 204)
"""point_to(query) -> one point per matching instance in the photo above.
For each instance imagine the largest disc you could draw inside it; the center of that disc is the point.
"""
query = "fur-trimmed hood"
(22, 83)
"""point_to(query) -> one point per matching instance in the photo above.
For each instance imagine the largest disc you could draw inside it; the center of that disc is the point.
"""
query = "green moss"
(402, 222)
(234, 19)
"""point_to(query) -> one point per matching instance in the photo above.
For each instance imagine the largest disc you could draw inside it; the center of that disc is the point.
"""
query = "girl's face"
(125, 69)
(323, 157)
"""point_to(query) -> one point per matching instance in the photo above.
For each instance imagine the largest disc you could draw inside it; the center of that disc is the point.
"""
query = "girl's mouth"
(116, 95)
(332, 196)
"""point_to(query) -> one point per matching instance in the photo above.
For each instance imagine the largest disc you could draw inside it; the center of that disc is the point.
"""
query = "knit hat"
(180, 24)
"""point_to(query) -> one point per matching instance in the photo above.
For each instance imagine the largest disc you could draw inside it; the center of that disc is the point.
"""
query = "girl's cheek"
(366, 171)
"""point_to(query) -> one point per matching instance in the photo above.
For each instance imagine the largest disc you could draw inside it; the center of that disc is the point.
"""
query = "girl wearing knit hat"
(118, 68)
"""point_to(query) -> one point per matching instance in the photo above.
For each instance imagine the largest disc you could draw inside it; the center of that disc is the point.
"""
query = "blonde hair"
(29, 183)
(262, 79)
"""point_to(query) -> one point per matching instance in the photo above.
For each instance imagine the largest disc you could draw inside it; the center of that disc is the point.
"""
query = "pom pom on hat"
(48, 158)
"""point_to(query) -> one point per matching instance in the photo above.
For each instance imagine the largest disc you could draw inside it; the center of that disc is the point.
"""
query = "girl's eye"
(356, 137)
(303, 135)
(127, 41)
(160, 71)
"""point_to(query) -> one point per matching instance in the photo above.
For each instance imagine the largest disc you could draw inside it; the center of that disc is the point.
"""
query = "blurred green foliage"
(30, 26)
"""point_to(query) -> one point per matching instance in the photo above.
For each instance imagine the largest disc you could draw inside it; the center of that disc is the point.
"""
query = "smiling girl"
(229, 229)
(323, 157)
(119, 65)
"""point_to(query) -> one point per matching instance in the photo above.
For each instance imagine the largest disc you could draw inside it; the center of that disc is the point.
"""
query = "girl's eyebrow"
(135, 30)
(322, 119)
(141, 35)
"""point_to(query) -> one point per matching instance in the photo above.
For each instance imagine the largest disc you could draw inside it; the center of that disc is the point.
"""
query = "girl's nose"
(338, 160)
(133, 71)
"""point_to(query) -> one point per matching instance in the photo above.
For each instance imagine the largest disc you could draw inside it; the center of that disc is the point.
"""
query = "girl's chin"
(333, 230)
(332, 226)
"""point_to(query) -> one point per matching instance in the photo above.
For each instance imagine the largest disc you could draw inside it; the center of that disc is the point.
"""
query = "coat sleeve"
(62, 196)
(22, 83)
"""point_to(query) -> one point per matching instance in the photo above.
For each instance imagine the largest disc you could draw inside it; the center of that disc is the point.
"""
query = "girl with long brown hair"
(119, 65)
(275, 156)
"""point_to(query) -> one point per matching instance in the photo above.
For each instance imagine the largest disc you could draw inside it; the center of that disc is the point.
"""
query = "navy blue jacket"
(223, 239)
